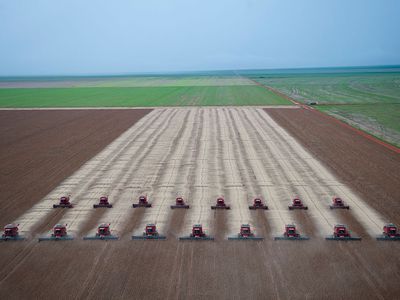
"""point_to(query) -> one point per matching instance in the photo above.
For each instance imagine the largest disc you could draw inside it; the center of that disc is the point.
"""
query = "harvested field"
(202, 153)
(38, 149)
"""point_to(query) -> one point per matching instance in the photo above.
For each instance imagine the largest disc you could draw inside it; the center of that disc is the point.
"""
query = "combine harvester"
(340, 233)
(150, 233)
(258, 204)
(291, 234)
(180, 203)
(103, 233)
(11, 233)
(245, 234)
(338, 203)
(297, 204)
(220, 204)
(103, 202)
(142, 202)
(59, 234)
(197, 235)
(390, 233)
(64, 203)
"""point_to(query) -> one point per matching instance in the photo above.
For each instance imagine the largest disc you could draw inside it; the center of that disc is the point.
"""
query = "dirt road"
(201, 153)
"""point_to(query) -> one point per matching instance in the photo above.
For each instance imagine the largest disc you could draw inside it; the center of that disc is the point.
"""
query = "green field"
(368, 99)
(139, 96)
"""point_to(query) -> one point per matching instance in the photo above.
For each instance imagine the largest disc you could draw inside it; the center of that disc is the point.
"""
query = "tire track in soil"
(331, 185)
(264, 166)
(242, 157)
(168, 177)
(300, 184)
(134, 162)
(124, 224)
(199, 189)
(176, 222)
(82, 215)
(41, 210)
(219, 224)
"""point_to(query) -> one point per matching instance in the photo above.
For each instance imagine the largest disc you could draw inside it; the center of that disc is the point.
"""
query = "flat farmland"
(366, 98)
(134, 92)
(200, 154)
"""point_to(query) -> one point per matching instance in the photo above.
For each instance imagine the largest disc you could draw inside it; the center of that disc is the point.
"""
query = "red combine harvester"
(150, 233)
(220, 204)
(59, 234)
(340, 233)
(103, 202)
(142, 202)
(103, 233)
(291, 234)
(179, 203)
(197, 234)
(390, 233)
(245, 234)
(11, 233)
(297, 204)
(338, 203)
(64, 203)
(258, 204)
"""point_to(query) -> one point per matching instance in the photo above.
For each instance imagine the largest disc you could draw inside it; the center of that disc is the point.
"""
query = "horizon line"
(181, 72)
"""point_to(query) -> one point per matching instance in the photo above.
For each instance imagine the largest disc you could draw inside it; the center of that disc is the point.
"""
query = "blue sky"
(44, 37)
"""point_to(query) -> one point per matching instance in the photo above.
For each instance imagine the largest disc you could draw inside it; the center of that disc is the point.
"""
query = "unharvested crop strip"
(118, 178)
(370, 219)
(91, 169)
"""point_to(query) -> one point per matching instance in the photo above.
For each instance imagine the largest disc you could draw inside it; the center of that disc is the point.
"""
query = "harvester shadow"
(176, 223)
(133, 223)
(219, 224)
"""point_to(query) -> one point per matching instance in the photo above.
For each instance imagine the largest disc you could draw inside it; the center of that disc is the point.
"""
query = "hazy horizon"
(48, 38)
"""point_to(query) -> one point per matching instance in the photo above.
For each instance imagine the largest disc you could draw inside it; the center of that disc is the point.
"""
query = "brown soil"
(369, 168)
(38, 149)
(221, 269)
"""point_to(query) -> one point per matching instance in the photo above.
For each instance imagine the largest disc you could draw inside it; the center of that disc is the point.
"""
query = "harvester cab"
(338, 203)
(59, 233)
(390, 233)
(179, 203)
(150, 233)
(197, 234)
(220, 204)
(142, 202)
(291, 233)
(340, 232)
(64, 203)
(103, 233)
(297, 204)
(11, 233)
(245, 234)
(258, 204)
(103, 202)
